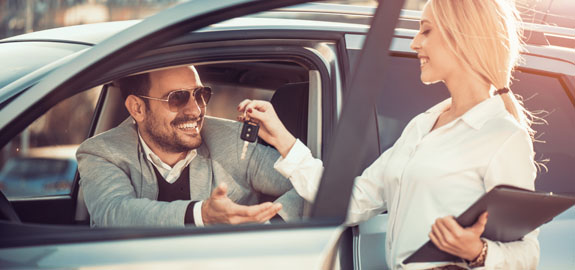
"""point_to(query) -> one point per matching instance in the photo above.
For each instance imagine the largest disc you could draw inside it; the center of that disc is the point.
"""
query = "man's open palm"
(219, 209)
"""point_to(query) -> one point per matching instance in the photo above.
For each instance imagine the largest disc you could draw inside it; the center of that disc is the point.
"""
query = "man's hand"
(271, 129)
(450, 237)
(219, 209)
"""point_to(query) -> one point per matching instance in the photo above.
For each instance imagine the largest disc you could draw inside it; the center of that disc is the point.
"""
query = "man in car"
(168, 165)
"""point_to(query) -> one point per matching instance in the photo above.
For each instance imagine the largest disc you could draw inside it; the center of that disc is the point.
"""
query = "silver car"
(54, 91)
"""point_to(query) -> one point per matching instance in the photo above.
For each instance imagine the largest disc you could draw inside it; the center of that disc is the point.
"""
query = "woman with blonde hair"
(450, 155)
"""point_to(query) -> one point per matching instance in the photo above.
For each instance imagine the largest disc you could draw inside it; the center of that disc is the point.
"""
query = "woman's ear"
(136, 108)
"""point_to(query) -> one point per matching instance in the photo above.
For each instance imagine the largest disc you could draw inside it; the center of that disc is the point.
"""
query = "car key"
(249, 135)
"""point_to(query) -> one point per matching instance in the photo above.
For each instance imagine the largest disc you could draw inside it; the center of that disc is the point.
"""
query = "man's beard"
(170, 141)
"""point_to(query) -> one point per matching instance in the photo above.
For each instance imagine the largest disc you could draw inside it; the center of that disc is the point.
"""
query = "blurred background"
(24, 16)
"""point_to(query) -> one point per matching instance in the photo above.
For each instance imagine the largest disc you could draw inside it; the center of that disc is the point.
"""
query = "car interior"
(285, 84)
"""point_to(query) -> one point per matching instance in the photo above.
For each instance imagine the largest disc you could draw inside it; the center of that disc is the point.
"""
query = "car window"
(35, 54)
(283, 83)
(41, 161)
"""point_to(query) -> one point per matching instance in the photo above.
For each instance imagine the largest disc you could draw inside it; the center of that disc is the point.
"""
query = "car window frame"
(341, 168)
(313, 61)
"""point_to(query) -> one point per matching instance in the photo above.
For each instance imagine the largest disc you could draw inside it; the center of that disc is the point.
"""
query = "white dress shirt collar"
(170, 174)
(476, 116)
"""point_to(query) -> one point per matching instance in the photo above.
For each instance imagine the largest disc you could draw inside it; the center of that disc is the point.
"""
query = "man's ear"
(136, 108)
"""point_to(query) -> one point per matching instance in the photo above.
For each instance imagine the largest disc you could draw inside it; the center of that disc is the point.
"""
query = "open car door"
(366, 86)
(312, 243)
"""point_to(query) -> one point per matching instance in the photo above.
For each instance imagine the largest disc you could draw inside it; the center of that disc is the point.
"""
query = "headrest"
(291, 104)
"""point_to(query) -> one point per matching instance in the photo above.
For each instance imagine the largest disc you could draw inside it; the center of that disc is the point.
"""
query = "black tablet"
(513, 212)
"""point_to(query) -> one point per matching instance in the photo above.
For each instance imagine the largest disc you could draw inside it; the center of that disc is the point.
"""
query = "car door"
(365, 87)
(323, 229)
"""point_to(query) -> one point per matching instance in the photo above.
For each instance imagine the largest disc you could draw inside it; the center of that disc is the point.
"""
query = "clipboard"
(513, 212)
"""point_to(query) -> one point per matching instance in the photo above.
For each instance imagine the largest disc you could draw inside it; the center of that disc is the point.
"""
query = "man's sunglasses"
(178, 99)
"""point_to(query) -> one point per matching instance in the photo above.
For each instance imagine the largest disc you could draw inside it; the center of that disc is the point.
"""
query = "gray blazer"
(120, 189)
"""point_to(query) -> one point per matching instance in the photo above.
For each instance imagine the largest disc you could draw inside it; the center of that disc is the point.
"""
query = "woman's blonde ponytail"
(486, 36)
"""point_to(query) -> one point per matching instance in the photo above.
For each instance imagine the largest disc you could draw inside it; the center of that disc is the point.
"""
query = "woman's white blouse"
(427, 175)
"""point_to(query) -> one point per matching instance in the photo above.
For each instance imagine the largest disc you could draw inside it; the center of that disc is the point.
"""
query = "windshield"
(21, 58)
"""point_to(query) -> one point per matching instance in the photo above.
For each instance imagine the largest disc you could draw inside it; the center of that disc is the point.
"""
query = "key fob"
(249, 131)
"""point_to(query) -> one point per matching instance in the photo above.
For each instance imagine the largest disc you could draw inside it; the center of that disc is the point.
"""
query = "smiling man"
(169, 165)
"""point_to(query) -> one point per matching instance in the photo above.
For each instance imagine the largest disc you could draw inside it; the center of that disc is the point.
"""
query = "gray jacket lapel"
(145, 183)
(201, 175)
(149, 183)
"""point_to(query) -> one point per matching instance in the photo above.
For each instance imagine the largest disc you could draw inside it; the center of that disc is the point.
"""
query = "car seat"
(290, 102)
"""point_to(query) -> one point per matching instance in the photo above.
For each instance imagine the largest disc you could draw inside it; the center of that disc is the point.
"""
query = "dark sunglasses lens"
(202, 96)
(178, 99)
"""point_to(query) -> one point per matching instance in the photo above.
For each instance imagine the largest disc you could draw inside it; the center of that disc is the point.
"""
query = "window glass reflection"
(41, 160)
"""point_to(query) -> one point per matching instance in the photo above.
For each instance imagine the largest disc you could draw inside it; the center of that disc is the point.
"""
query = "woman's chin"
(428, 80)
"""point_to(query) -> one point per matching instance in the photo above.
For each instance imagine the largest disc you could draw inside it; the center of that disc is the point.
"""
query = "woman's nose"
(415, 44)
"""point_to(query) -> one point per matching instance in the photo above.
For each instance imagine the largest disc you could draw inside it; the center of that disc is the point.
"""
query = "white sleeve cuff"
(295, 156)
(198, 214)
(521, 254)
(494, 257)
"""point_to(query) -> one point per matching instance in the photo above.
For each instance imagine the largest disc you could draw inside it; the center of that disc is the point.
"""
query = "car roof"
(311, 16)
(89, 34)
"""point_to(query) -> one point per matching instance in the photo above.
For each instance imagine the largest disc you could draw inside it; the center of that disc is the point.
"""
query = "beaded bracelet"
(480, 260)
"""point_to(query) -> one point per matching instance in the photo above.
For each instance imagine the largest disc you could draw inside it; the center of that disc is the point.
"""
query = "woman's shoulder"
(504, 122)
(505, 128)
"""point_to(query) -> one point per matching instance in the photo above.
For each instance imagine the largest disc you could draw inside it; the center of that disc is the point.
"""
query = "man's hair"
(134, 85)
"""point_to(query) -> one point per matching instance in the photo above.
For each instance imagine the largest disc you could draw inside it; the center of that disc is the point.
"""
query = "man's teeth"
(188, 125)
(423, 61)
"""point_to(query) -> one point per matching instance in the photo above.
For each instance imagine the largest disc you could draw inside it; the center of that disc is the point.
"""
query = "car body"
(252, 56)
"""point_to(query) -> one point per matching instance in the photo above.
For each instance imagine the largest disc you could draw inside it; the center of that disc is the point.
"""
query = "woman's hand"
(450, 237)
(271, 129)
